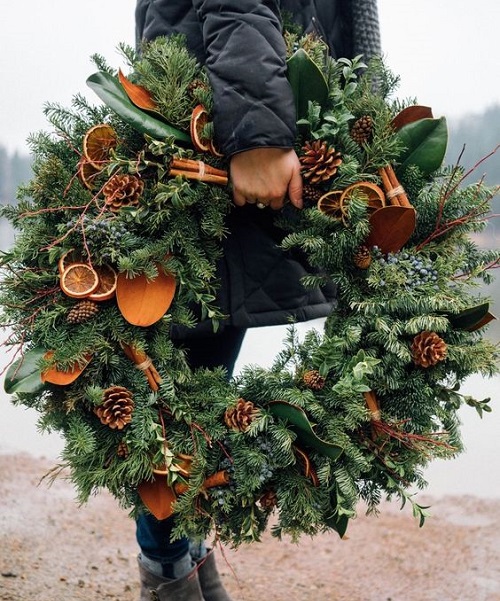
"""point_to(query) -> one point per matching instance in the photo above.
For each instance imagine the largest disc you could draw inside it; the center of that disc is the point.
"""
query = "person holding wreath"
(240, 42)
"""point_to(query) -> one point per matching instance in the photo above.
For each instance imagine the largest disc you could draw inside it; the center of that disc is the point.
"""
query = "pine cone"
(122, 191)
(311, 194)
(269, 500)
(363, 258)
(319, 162)
(116, 409)
(122, 450)
(428, 349)
(362, 130)
(241, 415)
(313, 379)
(196, 84)
(82, 311)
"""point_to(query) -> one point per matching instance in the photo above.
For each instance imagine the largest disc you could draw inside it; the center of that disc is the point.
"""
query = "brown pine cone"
(122, 450)
(116, 408)
(82, 311)
(122, 191)
(311, 194)
(319, 161)
(362, 130)
(362, 258)
(313, 379)
(269, 500)
(428, 349)
(196, 84)
(241, 415)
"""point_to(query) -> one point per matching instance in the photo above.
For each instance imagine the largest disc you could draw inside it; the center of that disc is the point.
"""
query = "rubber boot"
(210, 582)
(156, 588)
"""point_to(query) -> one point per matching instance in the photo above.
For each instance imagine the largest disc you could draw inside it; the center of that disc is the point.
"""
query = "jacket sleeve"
(246, 61)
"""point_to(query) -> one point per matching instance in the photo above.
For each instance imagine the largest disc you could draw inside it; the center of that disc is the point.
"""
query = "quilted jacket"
(240, 42)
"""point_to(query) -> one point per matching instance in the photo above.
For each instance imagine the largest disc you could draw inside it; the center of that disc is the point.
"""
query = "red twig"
(441, 229)
(203, 433)
(449, 225)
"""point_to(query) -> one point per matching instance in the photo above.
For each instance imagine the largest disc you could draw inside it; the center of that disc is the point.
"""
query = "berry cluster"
(104, 237)
(403, 270)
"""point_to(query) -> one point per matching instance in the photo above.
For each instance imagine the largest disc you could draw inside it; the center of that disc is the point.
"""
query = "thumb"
(295, 189)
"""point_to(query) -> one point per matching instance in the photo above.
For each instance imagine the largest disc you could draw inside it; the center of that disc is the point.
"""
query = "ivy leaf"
(303, 428)
(307, 81)
(425, 141)
(110, 91)
(24, 375)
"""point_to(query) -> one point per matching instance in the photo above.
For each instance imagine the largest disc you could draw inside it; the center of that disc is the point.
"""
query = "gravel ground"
(53, 550)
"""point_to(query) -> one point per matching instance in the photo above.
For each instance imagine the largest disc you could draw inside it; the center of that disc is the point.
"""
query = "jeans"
(153, 535)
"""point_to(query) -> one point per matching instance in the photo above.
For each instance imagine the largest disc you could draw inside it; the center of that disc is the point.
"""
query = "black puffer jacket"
(241, 44)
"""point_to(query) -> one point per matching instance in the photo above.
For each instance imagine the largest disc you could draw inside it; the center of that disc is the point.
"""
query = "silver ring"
(260, 205)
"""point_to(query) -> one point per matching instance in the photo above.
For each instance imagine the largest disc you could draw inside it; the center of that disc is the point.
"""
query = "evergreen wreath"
(118, 238)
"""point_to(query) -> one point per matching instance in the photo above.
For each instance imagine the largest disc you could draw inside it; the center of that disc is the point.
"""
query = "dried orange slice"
(79, 280)
(199, 118)
(87, 173)
(214, 150)
(107, 284)
(329, 204)
(69, 257)
(97, 144)
(366, 191)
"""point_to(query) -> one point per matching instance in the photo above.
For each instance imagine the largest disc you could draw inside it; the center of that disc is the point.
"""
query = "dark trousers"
(153, 536)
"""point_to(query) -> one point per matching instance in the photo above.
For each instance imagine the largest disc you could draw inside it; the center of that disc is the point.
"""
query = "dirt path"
(51, 550)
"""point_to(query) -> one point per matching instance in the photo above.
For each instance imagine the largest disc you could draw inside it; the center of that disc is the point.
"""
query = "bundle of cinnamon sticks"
(144, 363)
(394, 191)
(198, 170)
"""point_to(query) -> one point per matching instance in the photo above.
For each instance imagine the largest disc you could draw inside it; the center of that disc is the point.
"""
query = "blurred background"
(447, 57)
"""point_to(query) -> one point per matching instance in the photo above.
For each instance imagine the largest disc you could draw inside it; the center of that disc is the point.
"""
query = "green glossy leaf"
(338, 523)
(24, 374)
(307, 81)
(425, 142)
(110, 91)
(473, 318)
(296, 417)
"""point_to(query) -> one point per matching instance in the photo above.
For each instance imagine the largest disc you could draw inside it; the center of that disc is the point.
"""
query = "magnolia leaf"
(303, 428)
(338, 523)
(24, 375)
(472, 319)
(307, 81)
(61, 377)
(391, 228)
(138, 94)
(110, 91)
(338, 520)
(143, 301)
(411, 114)
(425, 144)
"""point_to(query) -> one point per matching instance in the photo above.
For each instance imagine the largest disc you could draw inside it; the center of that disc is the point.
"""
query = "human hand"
(267, 176)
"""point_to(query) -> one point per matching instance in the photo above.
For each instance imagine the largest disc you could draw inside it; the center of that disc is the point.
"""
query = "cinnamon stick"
(144, 363)
(197, 166)
(394, 191)
(373, 406)
(220, 478)
(207, 177)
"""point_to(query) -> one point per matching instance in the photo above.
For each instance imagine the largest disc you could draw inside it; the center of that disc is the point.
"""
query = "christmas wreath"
(118, 238)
